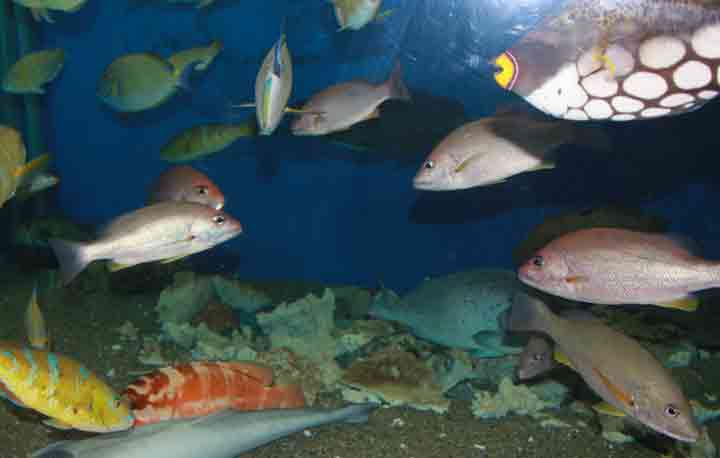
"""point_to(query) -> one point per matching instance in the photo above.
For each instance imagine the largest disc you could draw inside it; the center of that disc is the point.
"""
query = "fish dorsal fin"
(617, 392)
(605, 408)
(562, 358)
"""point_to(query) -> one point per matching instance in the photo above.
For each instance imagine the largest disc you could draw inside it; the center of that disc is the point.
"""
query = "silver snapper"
(460, 310)
(620, 370)
(343, 105)
(162, 231)
(222, 435)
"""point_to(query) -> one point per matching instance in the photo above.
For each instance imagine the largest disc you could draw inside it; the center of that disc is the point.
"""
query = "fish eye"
(202, 190)
(429, 165)
(538, 357)
(672, 411)
(538, 261)
(218, 219)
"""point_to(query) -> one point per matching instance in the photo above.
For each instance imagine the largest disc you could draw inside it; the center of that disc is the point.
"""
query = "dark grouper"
(222, 435)
(165, 231)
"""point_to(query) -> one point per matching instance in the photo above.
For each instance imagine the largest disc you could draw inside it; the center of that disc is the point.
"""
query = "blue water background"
(308, 216)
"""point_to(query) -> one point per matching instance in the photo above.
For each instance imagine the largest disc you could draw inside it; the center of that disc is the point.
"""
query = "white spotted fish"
(618, 60)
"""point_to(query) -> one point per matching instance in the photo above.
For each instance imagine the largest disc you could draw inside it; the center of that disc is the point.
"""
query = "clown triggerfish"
(617, 60)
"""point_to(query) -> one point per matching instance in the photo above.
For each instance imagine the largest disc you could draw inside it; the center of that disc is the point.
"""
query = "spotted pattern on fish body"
(201, 388)
(62, 389)
(628, 68)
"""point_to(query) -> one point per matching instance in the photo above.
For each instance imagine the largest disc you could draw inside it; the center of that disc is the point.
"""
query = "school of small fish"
(591, 60)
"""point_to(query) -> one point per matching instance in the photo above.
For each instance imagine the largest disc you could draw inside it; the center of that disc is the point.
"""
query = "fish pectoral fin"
(301, 111)
(689, 303)
(617, 392)
(605, 408)
(173, 259)
(576, 279)
(463, 165)
(54, 423)
(562, 358)
(32, 166)
(375, 114)
(243, 105)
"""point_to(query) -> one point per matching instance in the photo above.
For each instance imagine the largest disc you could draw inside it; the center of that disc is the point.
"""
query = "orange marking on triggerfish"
(575, 279)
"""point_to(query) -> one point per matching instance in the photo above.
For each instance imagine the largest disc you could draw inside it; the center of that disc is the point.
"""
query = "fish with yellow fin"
(61, 388)
(37, 334)
(32, 71)
(40, 9)
(356, 14)
(618, 61)
(273, 85)
(137, 82)
(15, 174)
(199, 57)
(617, 368)
(200, 141)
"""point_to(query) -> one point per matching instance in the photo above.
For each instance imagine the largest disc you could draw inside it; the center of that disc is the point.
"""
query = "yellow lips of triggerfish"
(506, 73)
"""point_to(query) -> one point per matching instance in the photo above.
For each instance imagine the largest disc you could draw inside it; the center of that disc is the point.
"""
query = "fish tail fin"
(395, 85)
(593, 137)
(357, 413)
(72, 257)
(183, 75)
(528, 313)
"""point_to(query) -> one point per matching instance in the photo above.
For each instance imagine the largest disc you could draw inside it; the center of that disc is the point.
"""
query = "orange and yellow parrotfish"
(61, 388)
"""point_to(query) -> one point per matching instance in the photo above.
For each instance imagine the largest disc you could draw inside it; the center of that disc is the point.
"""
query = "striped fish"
(203, 387)
(61, 388)
(618, 60)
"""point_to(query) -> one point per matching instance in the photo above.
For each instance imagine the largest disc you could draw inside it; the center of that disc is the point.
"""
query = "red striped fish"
(201, 388)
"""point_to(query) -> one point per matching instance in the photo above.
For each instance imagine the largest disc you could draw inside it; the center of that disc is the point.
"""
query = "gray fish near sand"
(165, 231)
(341, 106)
(226, 434)
(620, 370)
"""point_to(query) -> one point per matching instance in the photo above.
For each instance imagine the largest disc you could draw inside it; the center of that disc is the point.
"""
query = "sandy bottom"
(83, 324)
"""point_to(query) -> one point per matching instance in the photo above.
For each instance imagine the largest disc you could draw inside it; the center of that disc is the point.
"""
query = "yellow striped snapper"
(204, 140)
(31, 72)
(15, 174)
(356, 14)
(40, 9)
(61, 388)
(137, 82)
(618, 60)
(272, 87)
(201, 57)
(35, 328)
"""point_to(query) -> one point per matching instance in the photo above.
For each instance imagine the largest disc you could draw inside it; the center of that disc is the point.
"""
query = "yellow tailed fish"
(618, 61)
(40, 9)
(35, 328)
(61, 388)
(15, 174)
(200, 57)
(137, 82)
(616, 367)
(356, 14)
(204, 140)
(272, 87)
(29, 74)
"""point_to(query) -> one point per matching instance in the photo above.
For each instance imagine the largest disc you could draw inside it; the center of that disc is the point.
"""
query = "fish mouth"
(690, 438)
(424, 184)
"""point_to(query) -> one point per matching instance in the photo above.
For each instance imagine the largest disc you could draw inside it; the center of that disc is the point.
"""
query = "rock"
(205, 344)
(306, 327)
(240, 295)
(397, 378)
(617, 437)
(128, 331)
(181, 301)
(361, 333)
(518, 399)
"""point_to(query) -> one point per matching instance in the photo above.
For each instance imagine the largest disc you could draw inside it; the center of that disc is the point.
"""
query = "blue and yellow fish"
(61, 388)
